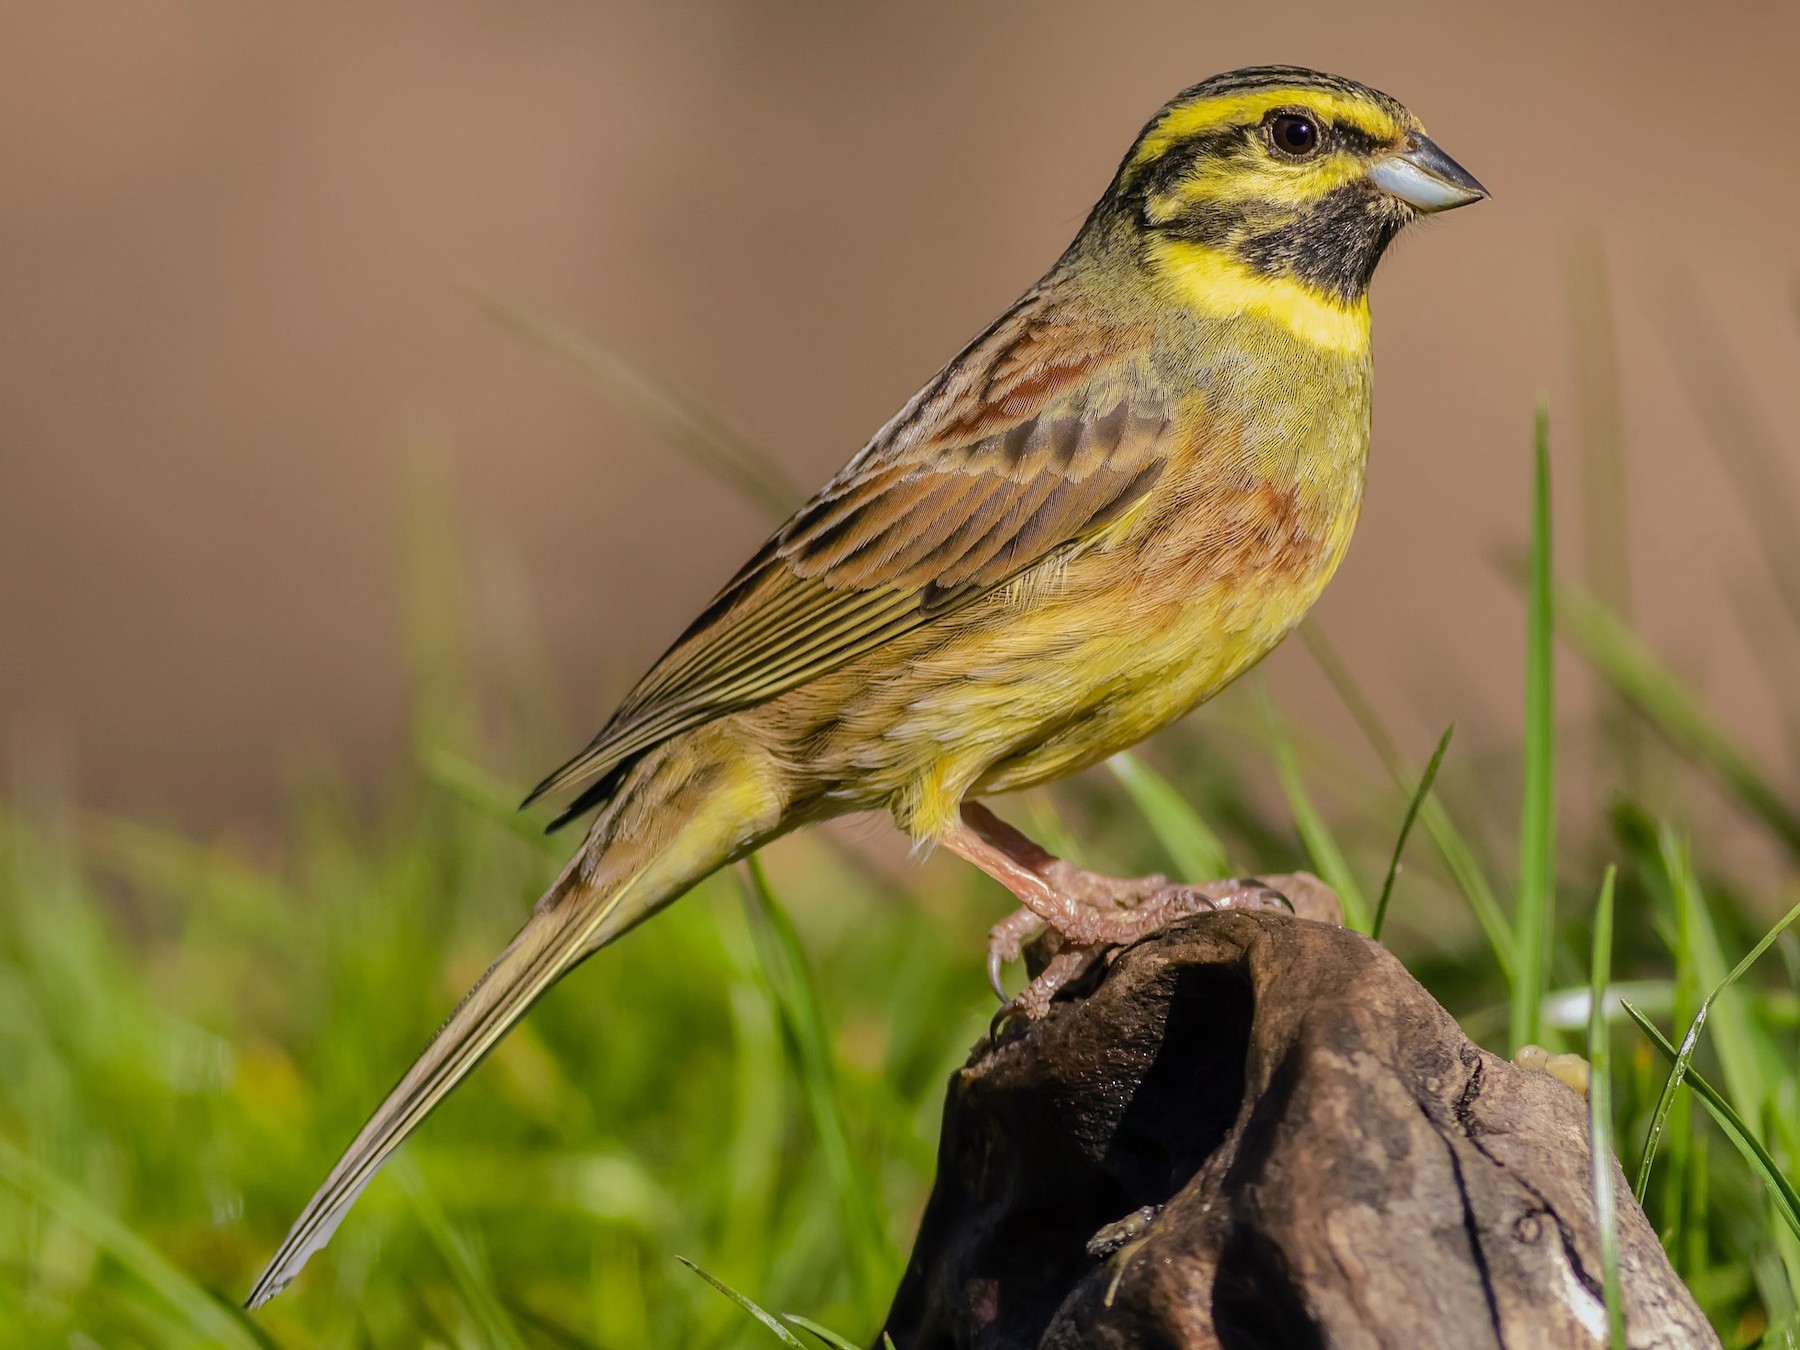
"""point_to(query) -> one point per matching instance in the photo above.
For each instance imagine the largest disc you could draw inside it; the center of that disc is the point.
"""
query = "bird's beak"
(1425, 177)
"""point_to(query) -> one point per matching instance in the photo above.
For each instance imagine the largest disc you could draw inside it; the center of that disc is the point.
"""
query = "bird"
(1117, 498)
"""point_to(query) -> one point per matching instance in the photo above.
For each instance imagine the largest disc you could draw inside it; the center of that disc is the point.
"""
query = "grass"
(1407, 821)
(1534, 917)
(1600, 1111)
(189, 1028)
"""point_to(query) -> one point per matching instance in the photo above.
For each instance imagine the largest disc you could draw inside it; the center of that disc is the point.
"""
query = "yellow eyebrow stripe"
(1217, 284)
(1237, 109)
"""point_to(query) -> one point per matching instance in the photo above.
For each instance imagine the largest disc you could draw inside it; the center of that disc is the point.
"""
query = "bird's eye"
(1294, 134)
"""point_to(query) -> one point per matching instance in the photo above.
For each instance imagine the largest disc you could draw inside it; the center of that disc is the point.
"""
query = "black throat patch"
(1332, 246)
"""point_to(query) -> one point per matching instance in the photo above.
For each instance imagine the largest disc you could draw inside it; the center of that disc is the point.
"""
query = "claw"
(1257, 888)
(994, 967)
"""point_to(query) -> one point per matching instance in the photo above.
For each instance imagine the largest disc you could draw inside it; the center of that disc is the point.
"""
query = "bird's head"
(1284, 174)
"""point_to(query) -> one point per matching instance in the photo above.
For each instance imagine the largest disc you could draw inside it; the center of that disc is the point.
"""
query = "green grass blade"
(1459, 858)
(1321, 845)
(1536, 917)
(1406, 823)
(549, 1331)
(1603, 503)
(489, 797)
(761, 1106)
(1784, 1335)
(1621, 658)
(680, 419)
(1691, 1040)
(785, 967)
(1694, 1248)
(1600, 420)
(768, 1319)
(1781, 1190)
(467, 1272)
(830, 1337)
(1736, 1037)
(433, 607)
(1757, 1074)
(1197, 853)
(1684, 1191)
(210, 1320)
(1600, 1122)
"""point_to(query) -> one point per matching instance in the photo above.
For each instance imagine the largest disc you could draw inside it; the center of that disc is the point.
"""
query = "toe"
(1249, 893)
(1177, 902)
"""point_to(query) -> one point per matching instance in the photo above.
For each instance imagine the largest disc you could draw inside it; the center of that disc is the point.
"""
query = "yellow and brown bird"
(1112, 502)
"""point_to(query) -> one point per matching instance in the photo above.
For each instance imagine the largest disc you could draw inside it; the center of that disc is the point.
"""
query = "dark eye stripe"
(1162, 173)
(1354, 139)
(1219, 142)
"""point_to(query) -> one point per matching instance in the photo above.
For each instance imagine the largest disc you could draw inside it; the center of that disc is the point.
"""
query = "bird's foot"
(1079, 890)
(1082, 932)
(1098, 890)
(1080, 913)
(1068, 964)
(1087, 925)
(1006, 944)
(1176, 900)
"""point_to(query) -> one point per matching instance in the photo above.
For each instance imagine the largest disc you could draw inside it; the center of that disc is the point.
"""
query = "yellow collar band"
(1217, 284)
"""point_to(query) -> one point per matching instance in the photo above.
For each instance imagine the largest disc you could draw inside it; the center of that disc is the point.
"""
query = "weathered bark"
(1334, 1163)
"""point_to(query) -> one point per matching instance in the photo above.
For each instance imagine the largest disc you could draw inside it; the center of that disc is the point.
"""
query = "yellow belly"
(1041, 681)
(1146, 683)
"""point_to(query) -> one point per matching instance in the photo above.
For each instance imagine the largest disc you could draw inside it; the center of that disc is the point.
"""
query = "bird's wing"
(1044, 430)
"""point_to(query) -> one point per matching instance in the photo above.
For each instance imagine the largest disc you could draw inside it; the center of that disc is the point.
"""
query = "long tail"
(609, 887)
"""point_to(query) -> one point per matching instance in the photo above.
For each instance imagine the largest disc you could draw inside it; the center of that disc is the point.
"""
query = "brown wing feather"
(1043, 430)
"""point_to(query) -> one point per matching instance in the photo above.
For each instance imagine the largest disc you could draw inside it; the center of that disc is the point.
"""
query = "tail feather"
(571, 921)
(684, 812)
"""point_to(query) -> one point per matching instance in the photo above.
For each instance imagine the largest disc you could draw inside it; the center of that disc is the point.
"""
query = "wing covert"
(1042, 432)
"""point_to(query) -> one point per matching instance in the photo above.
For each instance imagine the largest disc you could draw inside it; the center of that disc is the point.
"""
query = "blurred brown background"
(238, 245)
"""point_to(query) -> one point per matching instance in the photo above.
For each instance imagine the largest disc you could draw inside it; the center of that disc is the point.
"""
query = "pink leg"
(1079, 905)
(1021, 866)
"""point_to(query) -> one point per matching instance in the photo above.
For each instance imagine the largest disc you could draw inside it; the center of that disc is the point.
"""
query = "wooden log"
(1258, 1130)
